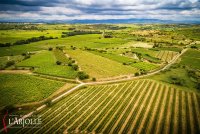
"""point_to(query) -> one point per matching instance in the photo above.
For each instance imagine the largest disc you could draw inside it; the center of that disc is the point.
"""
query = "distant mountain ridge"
(111, 21)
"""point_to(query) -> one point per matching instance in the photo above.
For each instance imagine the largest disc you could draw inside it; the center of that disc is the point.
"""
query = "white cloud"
(59, 10)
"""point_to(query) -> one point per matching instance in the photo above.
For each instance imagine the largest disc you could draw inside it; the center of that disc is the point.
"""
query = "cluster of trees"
(27, 41)
(193, 46)
(107, 34)
(177, 81)
(78, 32)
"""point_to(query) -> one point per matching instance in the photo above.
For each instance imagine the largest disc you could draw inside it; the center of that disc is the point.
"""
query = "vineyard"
(166, 56)
(142, 106)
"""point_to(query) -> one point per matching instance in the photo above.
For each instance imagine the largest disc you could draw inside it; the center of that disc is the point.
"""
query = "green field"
(44, 62)
(142, 106)
(19, 89)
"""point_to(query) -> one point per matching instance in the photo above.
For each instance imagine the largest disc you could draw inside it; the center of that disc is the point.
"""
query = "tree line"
(27, 41)
(78, 32)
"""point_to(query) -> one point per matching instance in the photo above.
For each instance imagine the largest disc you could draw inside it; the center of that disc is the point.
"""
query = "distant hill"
(111, 21)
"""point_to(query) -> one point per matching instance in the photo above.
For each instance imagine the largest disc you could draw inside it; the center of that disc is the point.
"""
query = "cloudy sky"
(100, 9)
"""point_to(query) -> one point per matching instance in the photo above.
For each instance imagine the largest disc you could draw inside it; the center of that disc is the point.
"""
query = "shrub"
(48, 103)
(137, 74)
(93, 79)
(50, 49)
(58, 62)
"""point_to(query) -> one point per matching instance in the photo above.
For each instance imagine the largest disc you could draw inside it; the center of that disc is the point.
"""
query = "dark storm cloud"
(95, 9)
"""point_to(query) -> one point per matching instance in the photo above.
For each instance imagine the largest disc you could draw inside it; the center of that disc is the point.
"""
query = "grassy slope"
(97, 66)
(145, 51)
(191, 58)
(45, 63)
(178, 72)
(17, 89)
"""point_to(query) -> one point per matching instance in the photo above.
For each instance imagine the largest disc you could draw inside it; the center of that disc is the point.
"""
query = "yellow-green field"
(99, 67)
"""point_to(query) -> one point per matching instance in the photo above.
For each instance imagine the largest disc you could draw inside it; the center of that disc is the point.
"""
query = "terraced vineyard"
(166, 56)
(142, 106)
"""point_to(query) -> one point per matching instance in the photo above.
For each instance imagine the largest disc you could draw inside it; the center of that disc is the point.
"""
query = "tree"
(198, 85)
(93, 79)
(82, 75)
(75, 67)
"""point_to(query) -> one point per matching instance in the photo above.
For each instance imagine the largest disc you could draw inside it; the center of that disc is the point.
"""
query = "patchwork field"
(150, 92)
(142, 106)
